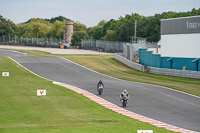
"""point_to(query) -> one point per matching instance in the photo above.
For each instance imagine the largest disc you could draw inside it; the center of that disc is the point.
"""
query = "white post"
(135, 30)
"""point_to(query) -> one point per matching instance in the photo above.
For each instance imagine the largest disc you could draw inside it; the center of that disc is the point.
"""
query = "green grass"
(61, 111)
(106, 64)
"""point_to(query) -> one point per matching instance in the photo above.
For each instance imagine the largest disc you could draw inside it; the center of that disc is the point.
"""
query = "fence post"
(15, 40)
(37, 41)
(47, 41)
(42, 41)
(90, 44)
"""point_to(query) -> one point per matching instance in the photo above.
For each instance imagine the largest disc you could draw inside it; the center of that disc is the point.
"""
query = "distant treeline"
(121, 29)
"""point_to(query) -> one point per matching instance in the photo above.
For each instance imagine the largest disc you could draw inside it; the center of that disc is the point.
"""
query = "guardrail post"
(32, 40)
(27, 40)
(37, 41)
(15, 40)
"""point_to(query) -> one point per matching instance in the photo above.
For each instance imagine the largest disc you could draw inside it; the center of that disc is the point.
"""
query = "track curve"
(156, 102)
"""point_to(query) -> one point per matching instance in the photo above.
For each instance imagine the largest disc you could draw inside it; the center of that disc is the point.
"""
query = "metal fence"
(103, 46)
(88, 44)
(131, 51)
(27, 41)
(152, 45)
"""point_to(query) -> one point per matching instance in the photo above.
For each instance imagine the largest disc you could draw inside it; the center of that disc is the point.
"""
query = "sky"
(89, 12)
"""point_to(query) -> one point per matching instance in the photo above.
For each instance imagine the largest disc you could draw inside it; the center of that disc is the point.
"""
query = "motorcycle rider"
(100, 84)
(124, 93)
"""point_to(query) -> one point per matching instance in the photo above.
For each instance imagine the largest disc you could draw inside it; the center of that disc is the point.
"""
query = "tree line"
(121, 29)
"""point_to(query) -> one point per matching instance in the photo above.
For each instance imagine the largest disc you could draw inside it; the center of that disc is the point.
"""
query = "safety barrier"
(129, 63)
(174, 72)
(155, 70)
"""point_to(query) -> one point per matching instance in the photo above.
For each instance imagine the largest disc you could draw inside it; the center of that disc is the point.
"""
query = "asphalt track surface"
(159, 103)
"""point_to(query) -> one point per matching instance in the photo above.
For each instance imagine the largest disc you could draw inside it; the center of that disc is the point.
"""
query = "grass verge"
(61, 111)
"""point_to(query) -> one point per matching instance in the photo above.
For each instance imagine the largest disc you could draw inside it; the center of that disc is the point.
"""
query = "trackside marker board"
(144, 131)
(5, 74)
(41, 92)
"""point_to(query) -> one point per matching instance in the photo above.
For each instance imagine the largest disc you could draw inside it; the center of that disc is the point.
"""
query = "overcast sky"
(89, 12)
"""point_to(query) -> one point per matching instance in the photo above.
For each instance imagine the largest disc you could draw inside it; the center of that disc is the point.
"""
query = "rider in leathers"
(125, 92)
(99, 84)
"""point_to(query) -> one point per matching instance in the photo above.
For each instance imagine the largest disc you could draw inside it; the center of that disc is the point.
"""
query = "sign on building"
(186, 25)
(180, 37)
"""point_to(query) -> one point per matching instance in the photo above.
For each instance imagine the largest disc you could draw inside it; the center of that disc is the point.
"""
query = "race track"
(159, 103)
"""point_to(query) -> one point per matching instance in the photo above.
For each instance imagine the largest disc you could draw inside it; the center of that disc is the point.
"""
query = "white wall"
(155, 50)
(181, 45)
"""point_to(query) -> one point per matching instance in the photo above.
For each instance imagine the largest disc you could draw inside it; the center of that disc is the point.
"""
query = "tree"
(102, 23)
(7, 27)
(110, 35)
(126, 30)
(77, 36)
(37, 29)
(58, 29)
(22, 29)
(59, 18)
(121, 29)
(97, 32)
(79, 27)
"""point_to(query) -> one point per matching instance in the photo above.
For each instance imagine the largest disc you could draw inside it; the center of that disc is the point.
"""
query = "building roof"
(180, 18)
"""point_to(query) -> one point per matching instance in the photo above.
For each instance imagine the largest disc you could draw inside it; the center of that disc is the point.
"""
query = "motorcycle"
(100, 89)
(124, 101)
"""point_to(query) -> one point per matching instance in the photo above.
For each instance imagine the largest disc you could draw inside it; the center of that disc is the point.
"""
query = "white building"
(180, 37)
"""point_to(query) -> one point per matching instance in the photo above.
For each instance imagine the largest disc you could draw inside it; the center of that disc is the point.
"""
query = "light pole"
(135, 30)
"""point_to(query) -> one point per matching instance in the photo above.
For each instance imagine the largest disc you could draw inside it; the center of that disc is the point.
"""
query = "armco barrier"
(174, 72)
(129, 63)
